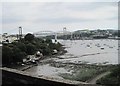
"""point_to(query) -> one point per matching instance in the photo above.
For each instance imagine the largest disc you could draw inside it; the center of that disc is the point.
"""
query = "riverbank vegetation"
(112, 79)
(15, 52)
(81, 72)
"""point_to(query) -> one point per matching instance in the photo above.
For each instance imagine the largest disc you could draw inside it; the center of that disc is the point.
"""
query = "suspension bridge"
(43, 33)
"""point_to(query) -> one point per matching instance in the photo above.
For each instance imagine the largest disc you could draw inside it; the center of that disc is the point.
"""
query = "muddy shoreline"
(76, 70)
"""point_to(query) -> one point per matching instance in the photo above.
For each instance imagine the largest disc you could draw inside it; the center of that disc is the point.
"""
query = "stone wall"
(12, 76)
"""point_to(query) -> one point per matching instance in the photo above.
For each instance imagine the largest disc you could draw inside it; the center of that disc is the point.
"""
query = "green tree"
(116, 72)
(45, 49)
(58, 46)
(21, 46)
(18, 54)
(29, 37)
(7, 55)
(39, 40)
(48, 40)
(31, 49)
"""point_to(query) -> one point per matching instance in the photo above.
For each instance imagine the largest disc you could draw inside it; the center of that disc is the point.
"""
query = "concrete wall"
(12, 76)
(119, 50)
(0, 55)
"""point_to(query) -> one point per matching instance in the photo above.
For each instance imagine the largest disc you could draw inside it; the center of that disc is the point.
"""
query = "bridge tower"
(20, 33)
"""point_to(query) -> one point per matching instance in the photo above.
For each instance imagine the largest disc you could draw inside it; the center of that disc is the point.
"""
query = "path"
(93, 81)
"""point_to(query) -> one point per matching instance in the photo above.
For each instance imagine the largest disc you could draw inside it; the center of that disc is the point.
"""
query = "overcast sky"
(53, 16)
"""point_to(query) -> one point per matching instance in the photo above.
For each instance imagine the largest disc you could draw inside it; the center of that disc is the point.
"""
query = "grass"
(84, 73)
(80, 75)
(81, 72)
(108, 80)
(112, 79)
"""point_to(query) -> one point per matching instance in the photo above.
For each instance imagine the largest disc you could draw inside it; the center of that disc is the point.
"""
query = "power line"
(28, 30)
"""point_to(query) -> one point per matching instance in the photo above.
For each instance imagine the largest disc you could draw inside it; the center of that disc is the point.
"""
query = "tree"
(48, 40)
(22, 47)
(116, 72)
(7, 55)
(18, 54)
(29, 37)
(39, 40)
(47, 51)
(31, 49)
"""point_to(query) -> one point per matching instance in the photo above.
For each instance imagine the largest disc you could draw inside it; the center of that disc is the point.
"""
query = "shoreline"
(75, 70)
(49, 60)
(69, 66)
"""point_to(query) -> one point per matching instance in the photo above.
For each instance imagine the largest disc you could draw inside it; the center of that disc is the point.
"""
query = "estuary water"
(104, 51)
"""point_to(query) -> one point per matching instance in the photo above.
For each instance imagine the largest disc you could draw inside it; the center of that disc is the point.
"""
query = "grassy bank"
(112, 79)
(81, 72)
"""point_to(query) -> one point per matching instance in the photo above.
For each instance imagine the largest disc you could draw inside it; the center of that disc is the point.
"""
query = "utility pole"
(20, 33)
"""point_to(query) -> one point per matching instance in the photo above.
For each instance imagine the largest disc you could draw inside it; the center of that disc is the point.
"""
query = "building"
(6, 38)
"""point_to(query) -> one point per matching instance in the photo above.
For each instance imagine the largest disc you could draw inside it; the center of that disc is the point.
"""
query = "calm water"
(91, 51)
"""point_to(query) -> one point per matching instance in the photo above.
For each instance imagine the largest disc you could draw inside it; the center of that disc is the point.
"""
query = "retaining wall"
(13, 76)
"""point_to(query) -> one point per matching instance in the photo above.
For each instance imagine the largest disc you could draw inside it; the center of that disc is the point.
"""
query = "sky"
(53, 16)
